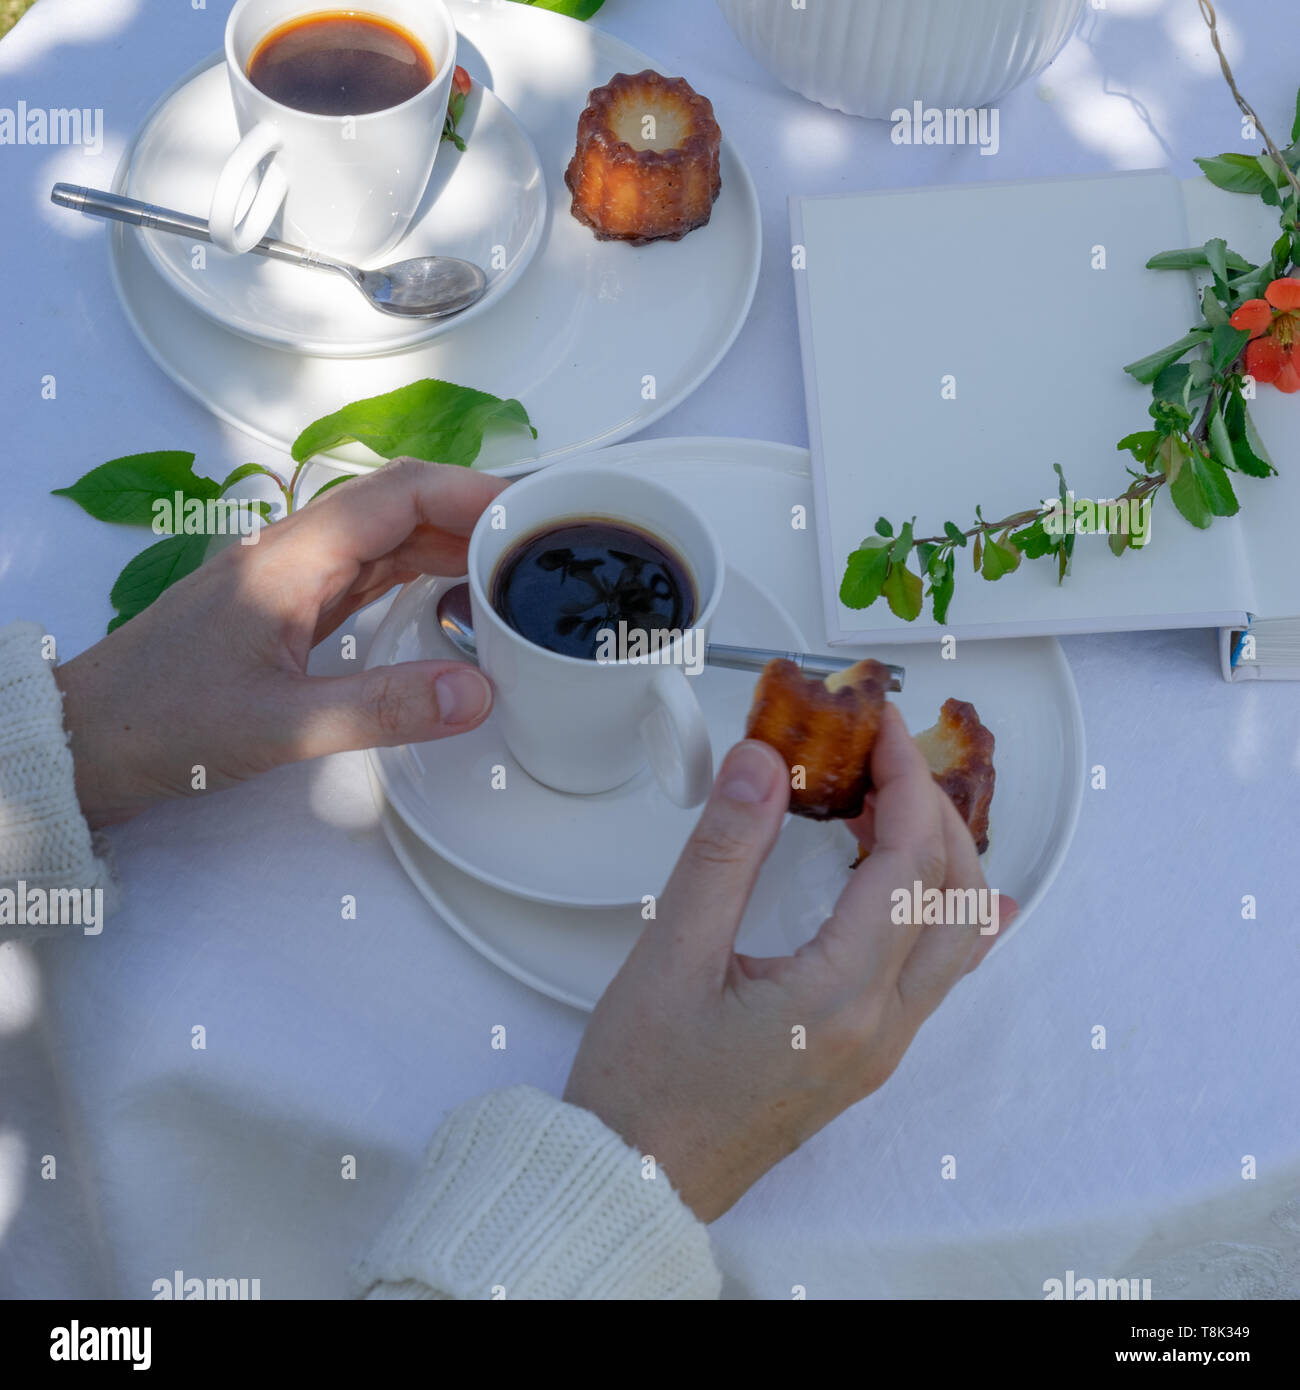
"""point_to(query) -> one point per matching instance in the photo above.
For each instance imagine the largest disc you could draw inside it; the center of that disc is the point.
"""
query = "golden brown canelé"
(959, 753)
(824, 729)
(640, 180)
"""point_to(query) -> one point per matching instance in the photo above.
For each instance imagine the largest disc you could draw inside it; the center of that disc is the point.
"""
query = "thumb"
(391, 705)
(709, 889)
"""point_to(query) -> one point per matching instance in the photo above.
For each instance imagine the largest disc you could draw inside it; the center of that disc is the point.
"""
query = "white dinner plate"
(758, 497)
(487, 205)
(597, 339)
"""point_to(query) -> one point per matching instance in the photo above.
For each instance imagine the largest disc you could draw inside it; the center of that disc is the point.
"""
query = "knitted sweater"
(519, 1195)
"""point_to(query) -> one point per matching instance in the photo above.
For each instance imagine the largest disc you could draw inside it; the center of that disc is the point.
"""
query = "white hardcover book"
(959, 341)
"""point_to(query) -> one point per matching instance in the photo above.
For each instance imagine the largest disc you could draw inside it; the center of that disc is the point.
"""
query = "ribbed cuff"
(523, 1196)
(44, 839)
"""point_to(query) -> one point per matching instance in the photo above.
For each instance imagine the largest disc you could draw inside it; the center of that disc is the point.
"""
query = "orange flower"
(460, 82)
(1273, 352)
(1255, 314)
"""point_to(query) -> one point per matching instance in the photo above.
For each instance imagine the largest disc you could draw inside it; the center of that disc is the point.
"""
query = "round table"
(1007, 1150)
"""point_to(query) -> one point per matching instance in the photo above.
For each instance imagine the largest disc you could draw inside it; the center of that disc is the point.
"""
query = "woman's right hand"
(693, 1054)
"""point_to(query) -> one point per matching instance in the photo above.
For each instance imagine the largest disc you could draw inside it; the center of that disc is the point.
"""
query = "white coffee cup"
(588, 725)
(345, 185)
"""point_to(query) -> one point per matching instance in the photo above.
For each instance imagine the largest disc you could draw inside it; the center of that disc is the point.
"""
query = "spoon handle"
(755, 658)
(95, 202)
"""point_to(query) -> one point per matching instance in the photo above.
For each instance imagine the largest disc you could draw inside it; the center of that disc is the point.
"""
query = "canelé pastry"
(824, 728)
(959, 751)
(646, 167)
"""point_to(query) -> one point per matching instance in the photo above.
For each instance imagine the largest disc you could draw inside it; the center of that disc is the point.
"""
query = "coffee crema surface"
(337, 63)
(567, 583)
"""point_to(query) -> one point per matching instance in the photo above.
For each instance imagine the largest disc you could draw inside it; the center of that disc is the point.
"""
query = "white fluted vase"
(871, 57)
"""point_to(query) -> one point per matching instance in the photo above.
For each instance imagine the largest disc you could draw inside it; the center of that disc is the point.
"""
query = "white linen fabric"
(1173, 1153)
(520, 1196)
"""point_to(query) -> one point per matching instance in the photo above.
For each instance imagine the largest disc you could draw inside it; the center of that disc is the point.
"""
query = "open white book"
(959, 341)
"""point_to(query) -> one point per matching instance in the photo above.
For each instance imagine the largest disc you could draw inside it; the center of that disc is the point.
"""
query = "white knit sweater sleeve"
(522, 1196)
(44, 839)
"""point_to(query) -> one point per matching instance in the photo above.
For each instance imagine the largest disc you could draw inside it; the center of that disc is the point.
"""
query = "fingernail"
(749, 774)
(462, 696)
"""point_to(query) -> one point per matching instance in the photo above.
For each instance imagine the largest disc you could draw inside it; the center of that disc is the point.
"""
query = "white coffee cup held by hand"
(346, 182)
(590, 724)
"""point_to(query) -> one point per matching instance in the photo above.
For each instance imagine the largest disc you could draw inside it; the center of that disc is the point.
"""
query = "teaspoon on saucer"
(424, 287)
(457, 624)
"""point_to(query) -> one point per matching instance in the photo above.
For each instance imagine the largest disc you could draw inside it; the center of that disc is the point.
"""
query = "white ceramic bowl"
(871, 57)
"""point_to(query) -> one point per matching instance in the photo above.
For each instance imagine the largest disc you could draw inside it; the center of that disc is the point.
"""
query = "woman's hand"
(213, 674)
(692, 1054)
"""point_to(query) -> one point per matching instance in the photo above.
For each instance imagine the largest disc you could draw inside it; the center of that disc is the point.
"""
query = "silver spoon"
(457, 624)
(425, 287)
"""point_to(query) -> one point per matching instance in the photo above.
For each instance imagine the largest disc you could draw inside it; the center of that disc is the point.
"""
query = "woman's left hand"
(213, 673)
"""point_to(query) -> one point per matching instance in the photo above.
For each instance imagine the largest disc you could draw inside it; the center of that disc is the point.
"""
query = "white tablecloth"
(328, 1037)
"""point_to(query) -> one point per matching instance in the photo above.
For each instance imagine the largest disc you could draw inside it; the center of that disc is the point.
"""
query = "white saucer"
(575, 338)
(526, 838)
(1022, 689)
(487, 205)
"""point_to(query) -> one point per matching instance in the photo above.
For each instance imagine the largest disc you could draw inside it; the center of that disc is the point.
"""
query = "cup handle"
(676, 739)
(240, 166)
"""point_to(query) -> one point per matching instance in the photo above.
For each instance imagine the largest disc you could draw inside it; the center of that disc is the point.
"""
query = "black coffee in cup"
(565, 585)
(336, 63)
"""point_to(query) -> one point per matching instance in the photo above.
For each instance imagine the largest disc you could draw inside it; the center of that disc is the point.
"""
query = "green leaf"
(954, 533)
(153, 571)
(429, 419)
(1215, 485)
(942, 584)
(1170, 419)
(977, 553)
(1226, 345)
(246, 470)
(1281, 255)
(1220, 440)
(1173, 384)
(1146, 369)
(1119, 542)
(925, 553)
(883, 528)
(902, 589)
(1237, 173)
(902, 547)
(999, 559)
(575, 9)
(1252, 284)
(1247, 447)
(1295, 126)
(1142, 445)
(1216, 257)
(1194, 258)
(124, 490)
(1215, 314)
(1170, 456)
(1035, 541)
(1185, 490)
(864, 575)
(1272, 171)
(333, 482)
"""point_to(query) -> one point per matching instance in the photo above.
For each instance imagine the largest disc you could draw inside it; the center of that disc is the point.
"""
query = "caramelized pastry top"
(959, 752)
(646, 167)
(824, 730)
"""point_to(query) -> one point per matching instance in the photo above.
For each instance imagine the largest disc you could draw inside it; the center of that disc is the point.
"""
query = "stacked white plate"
(550, 886)
(571, 326)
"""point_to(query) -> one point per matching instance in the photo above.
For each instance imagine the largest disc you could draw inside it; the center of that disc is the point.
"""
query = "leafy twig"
(1201, 429)
(429, 419)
